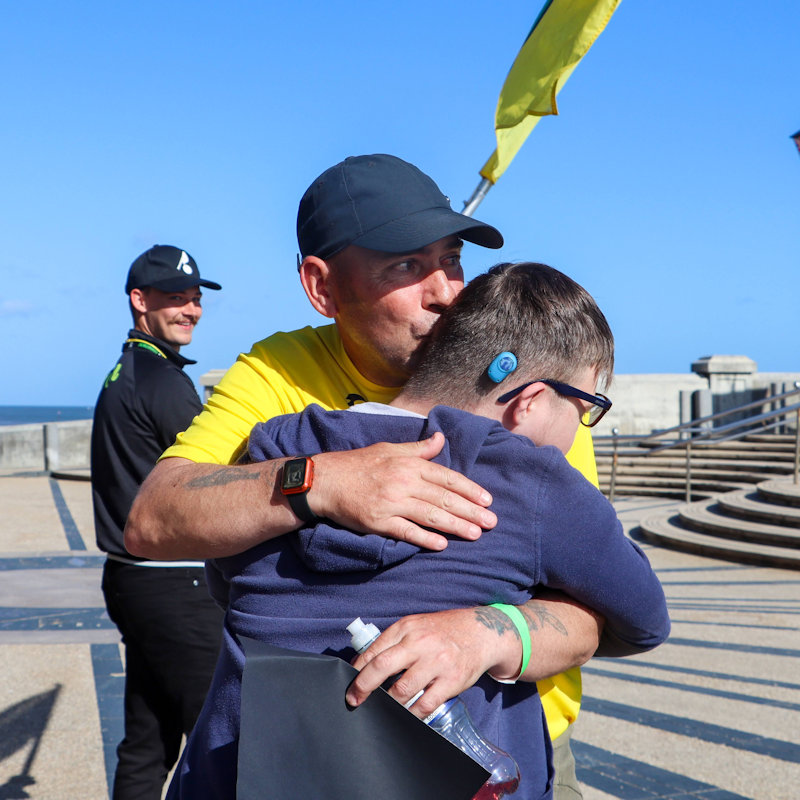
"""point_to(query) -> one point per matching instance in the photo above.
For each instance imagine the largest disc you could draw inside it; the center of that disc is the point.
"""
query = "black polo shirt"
(146, 401)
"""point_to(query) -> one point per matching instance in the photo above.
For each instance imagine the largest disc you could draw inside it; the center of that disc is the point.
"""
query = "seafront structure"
(642, 403)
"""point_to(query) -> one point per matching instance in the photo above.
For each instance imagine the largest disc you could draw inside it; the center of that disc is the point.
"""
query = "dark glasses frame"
(599, 400)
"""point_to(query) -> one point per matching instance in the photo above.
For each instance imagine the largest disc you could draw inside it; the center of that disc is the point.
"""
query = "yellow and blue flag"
(561, 36)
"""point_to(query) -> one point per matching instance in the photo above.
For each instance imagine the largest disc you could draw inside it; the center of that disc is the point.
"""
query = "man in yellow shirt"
(381, 254)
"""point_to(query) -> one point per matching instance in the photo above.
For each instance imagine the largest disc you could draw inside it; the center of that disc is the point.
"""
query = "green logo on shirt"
(113, 375)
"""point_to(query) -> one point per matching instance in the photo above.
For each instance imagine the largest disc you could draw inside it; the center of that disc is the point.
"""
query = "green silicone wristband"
(520, 623)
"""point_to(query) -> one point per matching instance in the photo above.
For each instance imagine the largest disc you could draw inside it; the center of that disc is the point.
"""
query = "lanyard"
(146, 345)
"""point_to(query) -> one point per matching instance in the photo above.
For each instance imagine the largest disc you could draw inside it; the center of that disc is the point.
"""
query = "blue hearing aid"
(503, 365)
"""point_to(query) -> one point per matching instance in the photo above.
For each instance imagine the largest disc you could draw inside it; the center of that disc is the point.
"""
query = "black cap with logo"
(166, 268)
(382, 203)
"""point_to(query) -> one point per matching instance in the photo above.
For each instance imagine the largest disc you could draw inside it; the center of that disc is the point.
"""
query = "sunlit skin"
(556, 419)
(385, 304)
(169, 316)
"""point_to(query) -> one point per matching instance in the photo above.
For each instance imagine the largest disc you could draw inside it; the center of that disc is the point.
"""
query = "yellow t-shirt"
(287, 372)
(281, 375)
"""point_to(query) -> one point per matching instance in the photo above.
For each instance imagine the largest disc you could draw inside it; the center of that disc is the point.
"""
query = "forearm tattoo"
(536, 615)
(540, 616)
(495, 620)
(222, 477)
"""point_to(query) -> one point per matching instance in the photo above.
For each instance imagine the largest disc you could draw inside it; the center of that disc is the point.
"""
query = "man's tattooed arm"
(537, 614)
(495, 620)
(226, 475)
(200, 511)
(563, 633)
(540, 615)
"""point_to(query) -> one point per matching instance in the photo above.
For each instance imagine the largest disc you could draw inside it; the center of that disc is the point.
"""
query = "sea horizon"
(27, 415)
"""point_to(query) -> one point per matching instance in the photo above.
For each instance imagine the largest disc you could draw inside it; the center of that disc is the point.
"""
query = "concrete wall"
(208, 380)
(54, 445)
(645, 402)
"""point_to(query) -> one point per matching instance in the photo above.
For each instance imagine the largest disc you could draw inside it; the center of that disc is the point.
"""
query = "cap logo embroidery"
(183, 263)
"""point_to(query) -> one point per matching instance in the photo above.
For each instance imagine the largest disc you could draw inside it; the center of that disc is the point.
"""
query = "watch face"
(294, 474)
(298, 475)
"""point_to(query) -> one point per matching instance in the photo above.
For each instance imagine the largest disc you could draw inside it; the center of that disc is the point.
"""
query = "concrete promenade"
(712, 714)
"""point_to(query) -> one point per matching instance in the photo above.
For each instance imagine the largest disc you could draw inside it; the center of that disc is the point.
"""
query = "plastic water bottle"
(451, 719)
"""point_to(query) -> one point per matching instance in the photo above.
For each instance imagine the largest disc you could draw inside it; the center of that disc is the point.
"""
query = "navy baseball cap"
(382, 203)
(166, 268)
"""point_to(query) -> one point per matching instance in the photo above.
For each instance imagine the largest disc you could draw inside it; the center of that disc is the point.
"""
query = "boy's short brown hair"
(551, 324)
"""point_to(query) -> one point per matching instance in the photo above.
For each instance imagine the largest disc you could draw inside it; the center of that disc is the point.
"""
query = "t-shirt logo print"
(183, 263)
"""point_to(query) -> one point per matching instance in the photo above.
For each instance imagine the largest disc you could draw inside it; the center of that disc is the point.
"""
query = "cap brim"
(422, 228)
(179, 284)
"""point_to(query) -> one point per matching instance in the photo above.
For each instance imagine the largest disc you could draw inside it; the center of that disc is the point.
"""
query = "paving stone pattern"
(710, 715)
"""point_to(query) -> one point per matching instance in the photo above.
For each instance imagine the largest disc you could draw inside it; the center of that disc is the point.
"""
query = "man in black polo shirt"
(170, 627)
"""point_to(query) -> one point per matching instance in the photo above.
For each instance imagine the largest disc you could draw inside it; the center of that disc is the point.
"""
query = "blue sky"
(668, 185)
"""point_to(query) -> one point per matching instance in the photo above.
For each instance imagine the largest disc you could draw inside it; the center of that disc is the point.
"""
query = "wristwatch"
(298, 476)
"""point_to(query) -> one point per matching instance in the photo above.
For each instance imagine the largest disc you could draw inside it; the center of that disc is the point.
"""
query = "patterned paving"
(711, 715)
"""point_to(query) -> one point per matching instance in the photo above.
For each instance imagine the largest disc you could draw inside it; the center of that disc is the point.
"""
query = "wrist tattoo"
(536, 615)
(496, 620)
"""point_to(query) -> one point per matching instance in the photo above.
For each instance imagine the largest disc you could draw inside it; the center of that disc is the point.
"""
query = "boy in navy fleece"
(515, 363)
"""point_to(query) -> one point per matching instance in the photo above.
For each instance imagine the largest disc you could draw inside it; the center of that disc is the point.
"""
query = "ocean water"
(23, 415)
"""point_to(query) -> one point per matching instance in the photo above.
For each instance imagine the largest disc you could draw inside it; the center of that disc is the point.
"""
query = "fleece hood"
(327, 547)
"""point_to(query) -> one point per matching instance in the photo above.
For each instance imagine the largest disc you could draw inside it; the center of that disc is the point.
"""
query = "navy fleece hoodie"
(555, 530)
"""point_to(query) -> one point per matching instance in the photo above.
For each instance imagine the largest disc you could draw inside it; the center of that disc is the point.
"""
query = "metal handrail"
(704, 434)
(697, 433)
(738, 410)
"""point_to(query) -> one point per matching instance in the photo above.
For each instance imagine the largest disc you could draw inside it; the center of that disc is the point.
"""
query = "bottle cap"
(362, 634)
(439, 710)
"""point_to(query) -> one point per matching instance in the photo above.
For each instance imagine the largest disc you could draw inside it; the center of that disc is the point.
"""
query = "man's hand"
(441, 653)
(394, 490)
(444, 653)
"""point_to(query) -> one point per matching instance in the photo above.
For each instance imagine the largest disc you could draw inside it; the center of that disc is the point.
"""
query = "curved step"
(667, 531)
(707, 517)
(753, 505)
(781, 491)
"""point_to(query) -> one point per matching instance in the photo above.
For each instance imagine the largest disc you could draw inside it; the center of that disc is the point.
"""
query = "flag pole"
(478, 195)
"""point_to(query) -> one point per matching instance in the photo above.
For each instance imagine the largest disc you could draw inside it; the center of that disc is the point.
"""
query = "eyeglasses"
(600, 403)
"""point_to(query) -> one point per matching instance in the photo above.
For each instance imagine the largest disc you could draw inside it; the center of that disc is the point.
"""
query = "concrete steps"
(745, 506)
(715, 468)
(780, 492)
(751, 505)
(659, 486)
(748, 526)
(707, 461)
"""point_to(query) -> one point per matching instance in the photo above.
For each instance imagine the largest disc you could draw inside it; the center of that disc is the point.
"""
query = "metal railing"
(701, 432)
